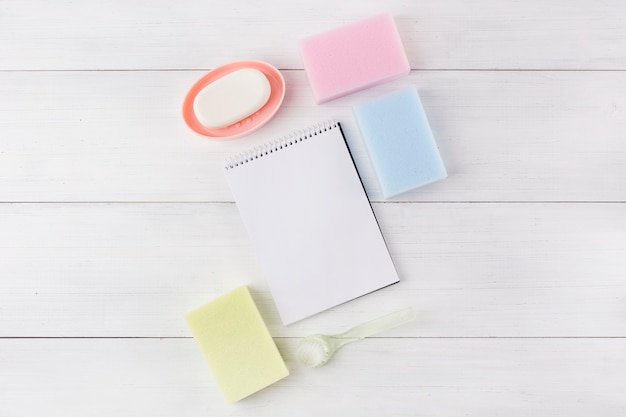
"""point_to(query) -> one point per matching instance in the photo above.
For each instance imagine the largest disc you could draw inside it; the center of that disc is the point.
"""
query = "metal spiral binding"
(283, 142)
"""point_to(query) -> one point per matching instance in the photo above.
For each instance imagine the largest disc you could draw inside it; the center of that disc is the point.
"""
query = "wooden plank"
(470, 270)
(417, 377)
(119, 136)
(450, 34)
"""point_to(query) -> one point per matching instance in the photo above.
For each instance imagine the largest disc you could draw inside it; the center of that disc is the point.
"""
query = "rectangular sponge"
(399, 141)
(353, 57)
(236, 344)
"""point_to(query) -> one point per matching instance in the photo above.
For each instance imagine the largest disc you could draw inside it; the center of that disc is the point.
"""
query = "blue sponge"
(399, 142)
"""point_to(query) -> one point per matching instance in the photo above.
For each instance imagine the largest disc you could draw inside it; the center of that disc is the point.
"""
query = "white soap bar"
(231, 98)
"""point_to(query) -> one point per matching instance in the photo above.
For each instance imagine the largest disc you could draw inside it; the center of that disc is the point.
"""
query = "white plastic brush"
(317, 349)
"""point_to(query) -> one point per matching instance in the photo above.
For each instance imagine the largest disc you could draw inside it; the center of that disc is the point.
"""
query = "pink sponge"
(353, 57)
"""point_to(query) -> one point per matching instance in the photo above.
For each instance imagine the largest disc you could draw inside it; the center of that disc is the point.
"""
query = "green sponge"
(236, 344)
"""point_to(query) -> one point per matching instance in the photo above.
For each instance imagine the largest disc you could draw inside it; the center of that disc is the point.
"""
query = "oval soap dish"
(249, 123)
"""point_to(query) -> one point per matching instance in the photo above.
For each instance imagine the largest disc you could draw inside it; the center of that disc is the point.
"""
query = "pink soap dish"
(248, 124)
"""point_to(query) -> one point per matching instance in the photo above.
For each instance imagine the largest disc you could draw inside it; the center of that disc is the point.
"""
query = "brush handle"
(380, 324)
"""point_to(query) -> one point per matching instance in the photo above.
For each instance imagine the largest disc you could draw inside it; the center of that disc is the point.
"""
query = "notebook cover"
(310, 222)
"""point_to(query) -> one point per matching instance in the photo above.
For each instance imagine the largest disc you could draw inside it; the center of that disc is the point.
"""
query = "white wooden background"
(115, 218)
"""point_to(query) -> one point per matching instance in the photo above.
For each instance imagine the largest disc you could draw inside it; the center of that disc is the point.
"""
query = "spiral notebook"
(310, 222)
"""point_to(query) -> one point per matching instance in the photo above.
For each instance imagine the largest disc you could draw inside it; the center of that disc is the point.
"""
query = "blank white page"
(310, 222)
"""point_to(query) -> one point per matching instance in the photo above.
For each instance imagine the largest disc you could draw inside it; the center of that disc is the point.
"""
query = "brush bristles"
(312, 352)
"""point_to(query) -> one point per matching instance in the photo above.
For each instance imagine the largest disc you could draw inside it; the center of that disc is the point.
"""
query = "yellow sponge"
(236, 344)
